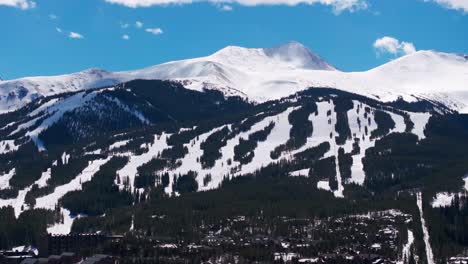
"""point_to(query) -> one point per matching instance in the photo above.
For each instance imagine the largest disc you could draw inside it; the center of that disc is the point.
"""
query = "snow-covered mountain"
(297, 131)
(107, 159)
(271, 73)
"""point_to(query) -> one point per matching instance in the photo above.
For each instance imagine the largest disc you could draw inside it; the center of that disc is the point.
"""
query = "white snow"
(260, 77)
(26, 249)
(466, 182)
(376, 246)
(18, 202)
(308, 260)
(132, 225)
(323, 127)
(52, 111)
(334, 150)
(263, 74)
(429, 254)
(400, 125)
(365, 142)
(324, 185)
(285, 256)
(221, 167)
(63, 228)
(443, 199)
(42, 182)
(420, 121)
(279, 135)
(324, 131)
(300, 173)
(43, 107)
(407, 248)
(118, 144)
(129, 171)
(5, 179)
(50, 85)
(8, 146)
(52, 114)
(167, 246)
(65, 157)
(94, 152)
(189, 161)
(50, 201)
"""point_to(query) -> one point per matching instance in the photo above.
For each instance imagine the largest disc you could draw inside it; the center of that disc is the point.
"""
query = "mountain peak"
(95, 71)
(292, 53)
(291, 46)
(424, 61)
(300, 55)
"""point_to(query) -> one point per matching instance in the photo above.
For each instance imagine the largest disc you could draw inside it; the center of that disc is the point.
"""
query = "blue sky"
(343, 32)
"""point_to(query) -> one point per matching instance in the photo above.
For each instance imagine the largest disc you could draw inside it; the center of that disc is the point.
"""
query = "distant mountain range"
(271, 73)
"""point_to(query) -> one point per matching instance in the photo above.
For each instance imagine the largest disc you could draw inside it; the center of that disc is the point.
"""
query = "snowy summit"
(261, 74)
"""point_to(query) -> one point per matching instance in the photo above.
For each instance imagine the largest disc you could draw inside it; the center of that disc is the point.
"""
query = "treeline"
(449, 227)
(301, 129)
(438, 162)
(244, 151)
(99, 194)
(29, 229)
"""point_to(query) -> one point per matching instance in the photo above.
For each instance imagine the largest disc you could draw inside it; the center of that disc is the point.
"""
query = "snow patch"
(50, 201)
(429, 254)
(406, 251)
(443, 199)
(128, 173)
(300, 173)
(420, 121)
(18, 202)
(324, 185)
(118, 144)
(466, 182)
(53, 114)
(7, 146)
(45, 176)
(63, 227)
(65, 157)
(5, 179)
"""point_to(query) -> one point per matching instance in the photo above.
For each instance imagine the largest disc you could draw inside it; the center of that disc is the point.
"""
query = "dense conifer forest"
(168, 202)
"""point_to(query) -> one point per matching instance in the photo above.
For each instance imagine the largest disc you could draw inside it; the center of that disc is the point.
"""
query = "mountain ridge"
(261, 74)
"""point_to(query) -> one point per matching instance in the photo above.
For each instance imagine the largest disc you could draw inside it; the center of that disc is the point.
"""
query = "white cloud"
(59, 30)
(154, 31)
(75, 35)
(138, 24)
(124, 25)
(393, 46)
(461, 5)
(337, 5)
(22, 4)
(226, 8)
(53, 17)
(125, 37)
(408, 47)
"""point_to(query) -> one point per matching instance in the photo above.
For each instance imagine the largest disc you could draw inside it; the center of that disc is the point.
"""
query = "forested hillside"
(154, 161)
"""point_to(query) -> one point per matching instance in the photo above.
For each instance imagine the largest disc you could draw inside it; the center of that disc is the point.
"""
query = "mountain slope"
(273, 73)
(101, 154)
